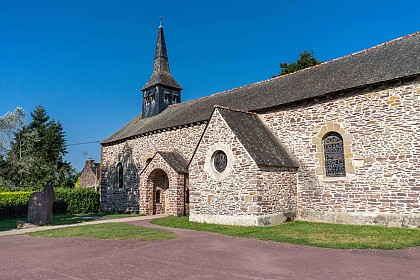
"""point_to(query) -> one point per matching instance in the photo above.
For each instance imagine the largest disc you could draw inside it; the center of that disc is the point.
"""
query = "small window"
(175, 98)
(119, 175)
(334, 155)
(167, 95)
(158, 196)
(219, 161)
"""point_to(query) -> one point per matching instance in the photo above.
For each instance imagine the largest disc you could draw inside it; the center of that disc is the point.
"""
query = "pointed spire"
(161, 73)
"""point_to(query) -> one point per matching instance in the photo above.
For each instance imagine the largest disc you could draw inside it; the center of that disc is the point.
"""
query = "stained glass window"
(219, 161)
(334, 155)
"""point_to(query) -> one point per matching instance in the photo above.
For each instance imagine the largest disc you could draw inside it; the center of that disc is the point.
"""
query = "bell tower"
(161, 90)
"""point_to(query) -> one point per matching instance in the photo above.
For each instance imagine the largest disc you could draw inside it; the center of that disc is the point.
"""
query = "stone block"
(40, 206)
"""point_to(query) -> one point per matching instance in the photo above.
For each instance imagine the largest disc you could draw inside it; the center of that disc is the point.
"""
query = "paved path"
(195, 255)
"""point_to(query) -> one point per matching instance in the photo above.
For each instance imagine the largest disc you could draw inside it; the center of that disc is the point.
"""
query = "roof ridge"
(346, 56)
(302, 70)
(234, 110)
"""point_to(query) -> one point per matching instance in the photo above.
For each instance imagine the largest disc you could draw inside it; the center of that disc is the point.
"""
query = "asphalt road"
(195, 255)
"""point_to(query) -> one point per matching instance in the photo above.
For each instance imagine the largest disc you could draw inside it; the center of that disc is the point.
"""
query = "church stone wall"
(381, 133)
(241, 195)
(133, 154)
(279, 190)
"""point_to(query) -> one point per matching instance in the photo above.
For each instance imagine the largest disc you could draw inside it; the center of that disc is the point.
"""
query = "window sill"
(334, 179)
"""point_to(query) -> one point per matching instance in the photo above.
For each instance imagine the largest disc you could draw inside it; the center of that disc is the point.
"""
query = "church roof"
(389, 61)
(161, 73)
(260, 143)
(175, 160)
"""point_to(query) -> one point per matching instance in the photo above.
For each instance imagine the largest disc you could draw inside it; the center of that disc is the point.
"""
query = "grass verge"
(66, 219)
(312, 234)
(114, 231)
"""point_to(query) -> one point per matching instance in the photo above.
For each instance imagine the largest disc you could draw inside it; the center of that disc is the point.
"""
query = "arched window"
(119, 178)
(334, 155)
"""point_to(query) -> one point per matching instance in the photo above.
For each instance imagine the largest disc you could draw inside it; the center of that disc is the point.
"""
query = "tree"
(306, 60)
(9, 124)
(36, 154)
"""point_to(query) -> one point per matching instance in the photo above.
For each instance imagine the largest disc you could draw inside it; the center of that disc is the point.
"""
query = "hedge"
(13, 204)
(76, 201)
(73, 201)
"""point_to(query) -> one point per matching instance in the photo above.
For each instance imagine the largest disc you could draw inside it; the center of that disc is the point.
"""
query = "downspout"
(185, 194)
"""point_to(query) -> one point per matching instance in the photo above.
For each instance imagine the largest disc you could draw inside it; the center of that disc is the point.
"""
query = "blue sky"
(85, 61)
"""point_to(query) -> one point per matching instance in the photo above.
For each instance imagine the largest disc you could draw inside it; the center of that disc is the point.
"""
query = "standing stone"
(40, 206)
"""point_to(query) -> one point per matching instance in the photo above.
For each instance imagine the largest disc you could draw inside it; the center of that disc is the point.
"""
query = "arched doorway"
(160, 183)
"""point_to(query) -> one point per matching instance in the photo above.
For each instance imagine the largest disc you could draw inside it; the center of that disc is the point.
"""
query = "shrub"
(76, 201)
(13, 204)
(73, 201)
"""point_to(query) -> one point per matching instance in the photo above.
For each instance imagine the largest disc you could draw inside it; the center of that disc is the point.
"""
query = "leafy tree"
(9, 124)
(306, 60)
(36, 154)
(21, 159)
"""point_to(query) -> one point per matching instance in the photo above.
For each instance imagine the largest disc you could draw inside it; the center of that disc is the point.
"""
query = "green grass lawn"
(65, 219)
(114, 231)
(312, 234)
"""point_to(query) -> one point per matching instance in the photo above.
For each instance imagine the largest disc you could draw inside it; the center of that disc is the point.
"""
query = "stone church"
(338, 142)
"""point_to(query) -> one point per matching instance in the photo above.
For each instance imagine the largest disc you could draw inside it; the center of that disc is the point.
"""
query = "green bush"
(73, 201)
(13, 204)
(76, 201)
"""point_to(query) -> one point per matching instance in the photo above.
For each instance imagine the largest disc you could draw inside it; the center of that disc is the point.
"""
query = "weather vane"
(160, 22)
(85, 154)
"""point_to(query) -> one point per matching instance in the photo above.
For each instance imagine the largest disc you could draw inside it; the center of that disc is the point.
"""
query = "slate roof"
(161, 73)
(257, 139)
(175, 160)
(386, 62)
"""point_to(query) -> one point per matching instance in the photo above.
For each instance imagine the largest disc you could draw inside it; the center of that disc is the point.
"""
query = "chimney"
(90, 162)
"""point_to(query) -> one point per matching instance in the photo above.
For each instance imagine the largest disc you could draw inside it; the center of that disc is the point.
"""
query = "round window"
(219, 161)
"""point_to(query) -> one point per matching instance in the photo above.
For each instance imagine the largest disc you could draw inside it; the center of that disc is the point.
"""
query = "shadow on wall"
(120, 189)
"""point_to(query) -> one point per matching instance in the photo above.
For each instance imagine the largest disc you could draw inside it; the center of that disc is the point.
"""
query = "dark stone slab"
(40, 206)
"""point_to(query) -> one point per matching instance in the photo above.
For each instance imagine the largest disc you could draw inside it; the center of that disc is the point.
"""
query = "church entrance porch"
(163, 185)
(160, 183)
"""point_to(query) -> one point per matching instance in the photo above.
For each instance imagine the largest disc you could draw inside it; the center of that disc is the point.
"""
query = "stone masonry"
(243, 194)
(172, 197)
(381, 137)
(133, 154)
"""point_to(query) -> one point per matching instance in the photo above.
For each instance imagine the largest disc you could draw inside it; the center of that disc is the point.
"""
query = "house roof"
(386, 62)
(175, 160)
(161, 73)
(260, 143)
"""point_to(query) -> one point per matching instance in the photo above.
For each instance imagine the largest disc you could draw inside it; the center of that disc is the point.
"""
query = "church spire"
(161, 90)
(161, 73)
